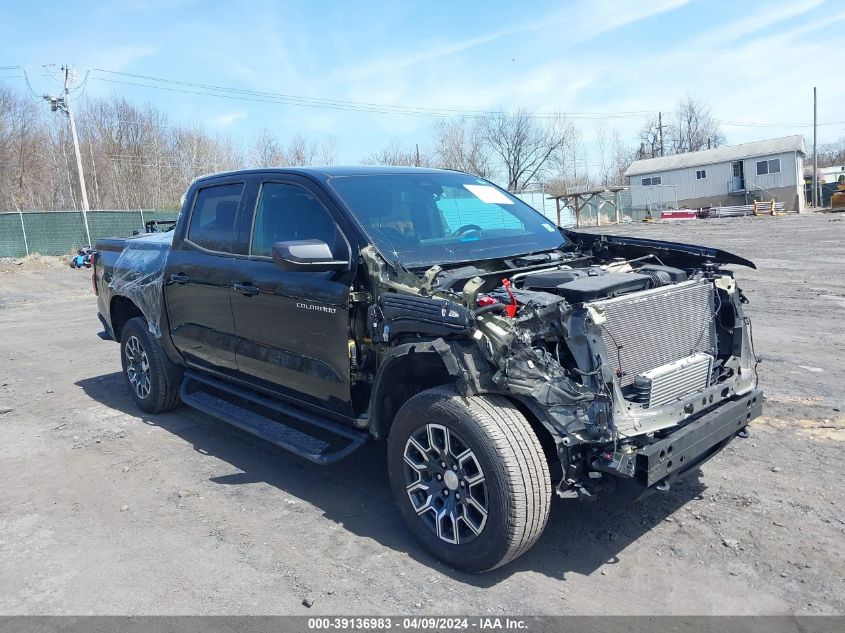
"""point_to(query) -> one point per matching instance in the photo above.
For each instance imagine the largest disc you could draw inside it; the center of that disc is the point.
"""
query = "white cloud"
(584, 21)
(227, 118)
(766, 79)
(757, 22)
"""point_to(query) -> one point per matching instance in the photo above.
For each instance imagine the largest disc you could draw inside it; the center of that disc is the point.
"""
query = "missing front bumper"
(695, 442)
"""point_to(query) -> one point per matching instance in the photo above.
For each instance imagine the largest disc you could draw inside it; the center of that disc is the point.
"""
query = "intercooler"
(655, 328)
(664, 384)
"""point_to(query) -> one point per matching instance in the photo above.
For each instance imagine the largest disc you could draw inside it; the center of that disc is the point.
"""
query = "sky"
(752, 62)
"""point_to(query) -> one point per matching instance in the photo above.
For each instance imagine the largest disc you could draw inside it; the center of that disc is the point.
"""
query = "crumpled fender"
(465, 365)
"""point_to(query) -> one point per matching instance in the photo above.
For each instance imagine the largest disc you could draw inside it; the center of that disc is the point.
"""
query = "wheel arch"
(121, 309)
(408, 370)
(414, 367)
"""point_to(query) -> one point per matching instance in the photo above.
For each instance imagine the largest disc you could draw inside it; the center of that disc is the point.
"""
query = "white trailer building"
(725, 176)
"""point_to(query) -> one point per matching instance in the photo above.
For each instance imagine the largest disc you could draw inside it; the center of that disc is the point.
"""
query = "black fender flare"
(461, 360)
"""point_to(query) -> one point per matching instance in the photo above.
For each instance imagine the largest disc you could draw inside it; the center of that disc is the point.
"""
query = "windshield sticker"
(488, 194)
(548, 227)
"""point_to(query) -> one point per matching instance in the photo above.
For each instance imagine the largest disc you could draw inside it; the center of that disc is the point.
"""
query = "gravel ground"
(106, 510)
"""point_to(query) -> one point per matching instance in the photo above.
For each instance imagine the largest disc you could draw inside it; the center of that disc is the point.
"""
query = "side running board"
(311, 437)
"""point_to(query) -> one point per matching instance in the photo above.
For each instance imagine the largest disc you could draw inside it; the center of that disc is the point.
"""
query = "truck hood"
(684, 255)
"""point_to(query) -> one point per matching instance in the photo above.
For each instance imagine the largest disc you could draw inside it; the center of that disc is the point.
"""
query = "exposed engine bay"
(610, 344)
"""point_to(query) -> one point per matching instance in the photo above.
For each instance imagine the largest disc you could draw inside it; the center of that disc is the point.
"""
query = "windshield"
(423, 219)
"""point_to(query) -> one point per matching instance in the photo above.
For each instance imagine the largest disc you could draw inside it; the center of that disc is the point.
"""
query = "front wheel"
(469, 477)
(152, 379)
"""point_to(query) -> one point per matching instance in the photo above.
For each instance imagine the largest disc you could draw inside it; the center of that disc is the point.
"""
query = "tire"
(502, 468)
(153, 380)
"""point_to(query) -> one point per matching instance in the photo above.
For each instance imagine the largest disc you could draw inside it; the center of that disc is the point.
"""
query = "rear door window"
(212, 223)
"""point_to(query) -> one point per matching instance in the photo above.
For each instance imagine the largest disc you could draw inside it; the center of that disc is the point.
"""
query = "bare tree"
(268, 151)
(649, 139)
(525, 146)
(394, 153)
(690, 128)
(831, 154)
(605, 155)
(693, 127)
(568, 169)
(135, 157)
(265, 150)
(622, 156)
(300, 152)
(21, 137)
(460, 144)
(327, 151)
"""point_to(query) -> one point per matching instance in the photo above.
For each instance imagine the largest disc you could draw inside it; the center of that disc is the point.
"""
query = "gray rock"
(730, 542)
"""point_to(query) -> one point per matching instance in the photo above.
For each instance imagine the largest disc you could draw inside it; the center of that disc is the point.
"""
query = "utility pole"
(815, 152)
(417, 161)
(660, 131)
(63, 104)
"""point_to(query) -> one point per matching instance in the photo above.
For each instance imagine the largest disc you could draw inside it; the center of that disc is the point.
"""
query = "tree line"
(134, 157)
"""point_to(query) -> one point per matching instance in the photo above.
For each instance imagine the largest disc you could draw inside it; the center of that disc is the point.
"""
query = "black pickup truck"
(504, 359)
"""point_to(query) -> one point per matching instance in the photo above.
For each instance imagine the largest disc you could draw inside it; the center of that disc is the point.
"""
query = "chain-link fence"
(63, 232)
(595, 209)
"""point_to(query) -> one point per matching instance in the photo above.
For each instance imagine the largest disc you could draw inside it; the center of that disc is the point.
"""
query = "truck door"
(293, 327)
(198, 277)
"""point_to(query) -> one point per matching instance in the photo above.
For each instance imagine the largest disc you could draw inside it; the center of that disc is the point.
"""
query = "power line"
(274, 101)
(243, 94)
(32, 92)
(257, 96)
(752, 124)
(80, 89)
(274, 95)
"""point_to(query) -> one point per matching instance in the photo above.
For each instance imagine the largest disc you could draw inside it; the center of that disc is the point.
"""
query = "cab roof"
(326, 173)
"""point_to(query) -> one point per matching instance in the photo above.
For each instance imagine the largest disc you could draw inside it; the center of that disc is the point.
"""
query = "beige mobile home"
(725, 176)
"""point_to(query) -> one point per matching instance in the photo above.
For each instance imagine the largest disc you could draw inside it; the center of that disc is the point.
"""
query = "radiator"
(650, 329)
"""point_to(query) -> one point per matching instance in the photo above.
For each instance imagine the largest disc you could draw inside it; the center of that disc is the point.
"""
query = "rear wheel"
(469, 477)
(153, 380)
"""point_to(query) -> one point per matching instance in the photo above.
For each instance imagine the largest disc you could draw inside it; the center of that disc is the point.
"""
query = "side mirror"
(306, 255)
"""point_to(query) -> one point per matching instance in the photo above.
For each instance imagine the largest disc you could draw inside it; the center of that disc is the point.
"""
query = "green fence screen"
(63, 232)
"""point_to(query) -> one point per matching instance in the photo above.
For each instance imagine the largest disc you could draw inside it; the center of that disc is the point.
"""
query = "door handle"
(247, 289)
(180, 278)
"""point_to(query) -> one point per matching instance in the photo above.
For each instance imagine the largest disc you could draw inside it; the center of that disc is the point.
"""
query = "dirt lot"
(104, 510)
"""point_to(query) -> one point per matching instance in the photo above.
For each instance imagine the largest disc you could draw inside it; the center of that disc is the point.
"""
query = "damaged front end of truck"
(633, 358)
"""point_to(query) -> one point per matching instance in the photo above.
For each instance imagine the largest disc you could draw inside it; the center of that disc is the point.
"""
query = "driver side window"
(286, 213)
